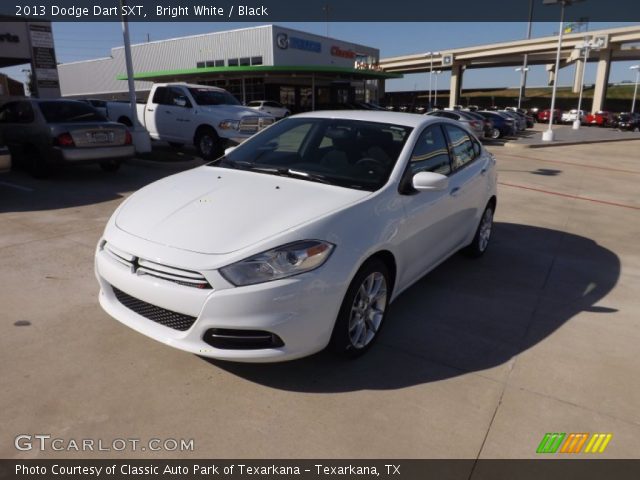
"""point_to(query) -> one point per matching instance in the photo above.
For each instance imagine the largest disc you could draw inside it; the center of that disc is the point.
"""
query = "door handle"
(167, 112)
(454, 191)
(149, 109)
(483, 171)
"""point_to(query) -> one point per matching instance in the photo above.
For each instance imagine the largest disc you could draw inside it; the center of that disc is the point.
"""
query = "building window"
(256, 60)
(245, 61)
(219, 63)
(200, 65)
(233, 62)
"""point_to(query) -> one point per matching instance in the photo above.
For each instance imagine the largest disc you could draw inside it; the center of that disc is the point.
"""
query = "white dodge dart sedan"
(299, 238)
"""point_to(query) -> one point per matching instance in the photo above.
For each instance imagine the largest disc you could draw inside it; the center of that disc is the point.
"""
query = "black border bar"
(547, 469)
(270, 11)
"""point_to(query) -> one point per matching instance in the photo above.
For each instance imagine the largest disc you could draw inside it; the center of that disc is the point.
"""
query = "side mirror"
(429, 181)
(228, 150)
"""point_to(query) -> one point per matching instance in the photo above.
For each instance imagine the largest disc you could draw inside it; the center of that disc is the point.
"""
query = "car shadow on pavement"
(465, 316)
(76, 186)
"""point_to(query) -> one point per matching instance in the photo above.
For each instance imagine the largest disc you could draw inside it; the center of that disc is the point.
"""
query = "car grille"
(140, 266)
(249, 125)
(168, 318)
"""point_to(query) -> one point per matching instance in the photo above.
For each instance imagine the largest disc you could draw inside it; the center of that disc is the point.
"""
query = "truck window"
(160, 96)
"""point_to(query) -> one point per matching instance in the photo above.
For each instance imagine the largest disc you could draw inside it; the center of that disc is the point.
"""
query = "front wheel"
(483, 234)
(495, 133)
(208, 144)
(363, 310)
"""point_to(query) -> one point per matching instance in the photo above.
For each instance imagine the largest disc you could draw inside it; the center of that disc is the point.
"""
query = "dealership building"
(268, 62)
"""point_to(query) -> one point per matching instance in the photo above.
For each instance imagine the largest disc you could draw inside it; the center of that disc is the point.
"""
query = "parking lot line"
(18, 187)
(566, 195)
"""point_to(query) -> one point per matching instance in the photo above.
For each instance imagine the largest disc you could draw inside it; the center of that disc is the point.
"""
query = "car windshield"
(209, 96)
(69, 111)
(346, 153)
(254, 104)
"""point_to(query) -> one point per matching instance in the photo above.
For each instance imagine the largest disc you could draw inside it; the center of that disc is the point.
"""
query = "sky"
(76, 41)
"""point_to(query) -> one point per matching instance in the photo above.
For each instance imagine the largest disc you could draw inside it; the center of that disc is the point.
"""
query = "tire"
(636, 129)
(482, 237)
(495, 133)
(353, 335)
(110, 165)
(208, 143)
(36, 165)
(176, 144)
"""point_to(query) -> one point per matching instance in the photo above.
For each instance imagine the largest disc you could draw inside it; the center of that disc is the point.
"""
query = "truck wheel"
(208, 143)
(110, 165)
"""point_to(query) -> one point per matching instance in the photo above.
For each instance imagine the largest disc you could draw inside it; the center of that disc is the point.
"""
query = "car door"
(16, 126)
(174, 116)
(467, 182)
(424, 238)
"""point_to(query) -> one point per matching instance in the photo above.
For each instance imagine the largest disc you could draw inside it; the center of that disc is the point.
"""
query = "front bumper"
(300, 311)
(94, 154)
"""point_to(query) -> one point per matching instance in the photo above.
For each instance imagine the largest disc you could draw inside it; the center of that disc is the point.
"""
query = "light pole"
(435, 100)
(430, 55)
(548, 134)
(140, 136)
(525, 58)
(587, 45)
(523, 73)
(635, 89)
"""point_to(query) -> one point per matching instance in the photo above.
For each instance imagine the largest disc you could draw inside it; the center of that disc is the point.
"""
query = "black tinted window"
(462, 149)
(161, 96)
(65, 112)
(17, 112)
(430, 153)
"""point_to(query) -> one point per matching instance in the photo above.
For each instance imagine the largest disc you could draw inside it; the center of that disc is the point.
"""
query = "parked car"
(534, 111)
(43, 133)
(544, 115)
(181, 113)
(99, 105)
(600, 119)
(573, 115)
(272, 108)
(5, 159)
(628, 121)
(322, 236)
(487, 123)
(502, 124)
(529, 119)
(472, 123)
(520, 120)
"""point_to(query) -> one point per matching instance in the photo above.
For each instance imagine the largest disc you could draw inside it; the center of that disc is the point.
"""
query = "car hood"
(234, 111)
(217, 210)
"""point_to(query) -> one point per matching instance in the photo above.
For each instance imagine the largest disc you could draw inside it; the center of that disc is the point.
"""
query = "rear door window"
(462, 147)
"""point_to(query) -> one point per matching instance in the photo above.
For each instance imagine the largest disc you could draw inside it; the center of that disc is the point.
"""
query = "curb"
(565, 144)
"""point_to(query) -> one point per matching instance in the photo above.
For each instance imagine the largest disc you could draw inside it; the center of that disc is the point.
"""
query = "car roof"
(396, 118)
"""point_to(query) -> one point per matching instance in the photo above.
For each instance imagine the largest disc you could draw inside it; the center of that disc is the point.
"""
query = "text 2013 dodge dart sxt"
(299, 238)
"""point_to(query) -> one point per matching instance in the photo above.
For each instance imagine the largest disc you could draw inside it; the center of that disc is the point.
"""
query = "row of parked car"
(493, 124)
(623, 120)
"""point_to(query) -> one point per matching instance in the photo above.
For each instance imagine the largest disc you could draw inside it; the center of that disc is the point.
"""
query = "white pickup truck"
(181, 113)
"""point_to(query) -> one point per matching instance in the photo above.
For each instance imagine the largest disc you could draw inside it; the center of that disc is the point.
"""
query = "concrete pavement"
(478, 360)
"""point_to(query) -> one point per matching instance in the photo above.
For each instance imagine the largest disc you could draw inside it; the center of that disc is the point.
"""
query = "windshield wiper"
(309, 176)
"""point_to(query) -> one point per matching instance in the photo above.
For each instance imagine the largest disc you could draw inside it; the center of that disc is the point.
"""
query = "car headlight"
(230, 124)
(282, 262)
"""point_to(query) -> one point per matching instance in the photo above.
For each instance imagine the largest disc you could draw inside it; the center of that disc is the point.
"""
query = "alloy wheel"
(367, 310)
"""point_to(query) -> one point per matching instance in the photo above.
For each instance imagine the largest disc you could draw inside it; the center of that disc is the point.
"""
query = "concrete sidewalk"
(565, 135)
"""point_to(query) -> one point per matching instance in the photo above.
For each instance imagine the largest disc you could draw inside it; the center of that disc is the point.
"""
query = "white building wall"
(98, 77)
